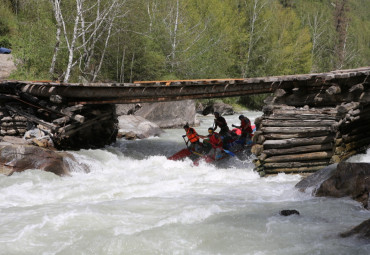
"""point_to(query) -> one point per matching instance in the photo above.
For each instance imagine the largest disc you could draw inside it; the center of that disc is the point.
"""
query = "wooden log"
(310, 112)
(294, 170)
(279, 92)
(74, 128)
(333, 90)
(278, 136)
(295, 130)
(299, 149)
(275, 144)
(346, 107)
(358, 88)
(32, 118)
(256, 135)
(350, 138)
(257, 149)
(297, 164)
(355, 130)
(61, 121)
(298, 123)
(262, 157)
(340, 158)
(357, 144)
(301, 117)
(299, 157)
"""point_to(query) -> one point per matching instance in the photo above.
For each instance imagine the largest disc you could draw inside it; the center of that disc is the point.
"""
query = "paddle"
(229, 152)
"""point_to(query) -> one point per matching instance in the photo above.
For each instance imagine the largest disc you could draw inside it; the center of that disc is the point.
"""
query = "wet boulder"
(341, 180)
(361, 231)
(169, 114)
(21, 157)
(289, 212)
(220, 107)
(132, 127)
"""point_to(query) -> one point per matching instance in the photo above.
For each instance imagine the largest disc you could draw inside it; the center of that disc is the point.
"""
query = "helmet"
(216, 113)
(186, 126)
(241, 117)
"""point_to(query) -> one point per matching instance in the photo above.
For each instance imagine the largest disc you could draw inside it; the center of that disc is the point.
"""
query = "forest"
(133, 40)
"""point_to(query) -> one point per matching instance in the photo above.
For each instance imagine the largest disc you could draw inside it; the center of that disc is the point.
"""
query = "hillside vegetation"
(128, 40)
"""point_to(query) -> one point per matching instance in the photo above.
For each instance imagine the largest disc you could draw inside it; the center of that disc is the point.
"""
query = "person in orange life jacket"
(221, 122)
(245, 126)
(193, 138)
(215, 140)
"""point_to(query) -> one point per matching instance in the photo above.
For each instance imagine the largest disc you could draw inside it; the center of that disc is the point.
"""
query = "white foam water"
(135, 201)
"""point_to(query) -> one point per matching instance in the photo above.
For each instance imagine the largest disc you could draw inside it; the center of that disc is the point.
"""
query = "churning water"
(135, 201)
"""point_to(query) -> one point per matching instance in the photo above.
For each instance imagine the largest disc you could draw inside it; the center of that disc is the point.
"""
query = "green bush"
(5, 43)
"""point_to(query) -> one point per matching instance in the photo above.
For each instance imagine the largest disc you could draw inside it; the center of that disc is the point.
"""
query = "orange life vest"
(192, 135)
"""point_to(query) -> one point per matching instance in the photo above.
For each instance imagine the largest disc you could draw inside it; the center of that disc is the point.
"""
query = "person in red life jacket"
(245, 126)
(193, 138)
(215, 140)
(221, 123)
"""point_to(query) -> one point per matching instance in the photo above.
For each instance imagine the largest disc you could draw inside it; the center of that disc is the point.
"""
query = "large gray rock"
(127, 109)
(131, 127)
(344, 179)
(18, 158)
(361, 231)
(169, 114)
(222, 108)
(7, 66)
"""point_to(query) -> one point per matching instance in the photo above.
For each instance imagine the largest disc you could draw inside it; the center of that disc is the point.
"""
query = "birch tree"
(91, 26)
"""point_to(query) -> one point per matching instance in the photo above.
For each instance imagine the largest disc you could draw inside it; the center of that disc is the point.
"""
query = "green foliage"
(158, 39)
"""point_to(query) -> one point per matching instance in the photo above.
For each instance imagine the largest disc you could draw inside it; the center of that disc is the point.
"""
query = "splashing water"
(135, 201)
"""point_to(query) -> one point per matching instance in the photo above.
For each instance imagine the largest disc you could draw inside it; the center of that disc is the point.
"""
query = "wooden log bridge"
(304, 130)
(310, 121)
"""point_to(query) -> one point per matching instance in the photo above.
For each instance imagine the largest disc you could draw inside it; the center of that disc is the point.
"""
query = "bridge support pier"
(69, 127)
(305, 135)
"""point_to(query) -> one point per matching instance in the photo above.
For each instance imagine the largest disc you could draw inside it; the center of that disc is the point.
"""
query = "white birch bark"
(57, 14)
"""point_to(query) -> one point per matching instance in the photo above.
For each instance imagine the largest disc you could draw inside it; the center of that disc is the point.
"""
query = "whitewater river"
(135, 201)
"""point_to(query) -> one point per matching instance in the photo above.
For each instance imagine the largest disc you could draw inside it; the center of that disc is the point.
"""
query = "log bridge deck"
(310, 120)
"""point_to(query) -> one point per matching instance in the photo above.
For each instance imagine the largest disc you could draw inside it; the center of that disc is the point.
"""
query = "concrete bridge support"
(304, 131)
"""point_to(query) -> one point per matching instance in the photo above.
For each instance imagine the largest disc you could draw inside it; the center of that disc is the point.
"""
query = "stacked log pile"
(304, 130)
(69, 127)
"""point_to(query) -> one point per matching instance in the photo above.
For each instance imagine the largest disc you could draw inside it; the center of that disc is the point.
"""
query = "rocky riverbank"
(18, 155)
(343, 180)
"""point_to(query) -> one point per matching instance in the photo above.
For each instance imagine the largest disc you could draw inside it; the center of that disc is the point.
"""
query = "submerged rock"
(288, 212)
(21, 157)
(341, 180)
(361, 231)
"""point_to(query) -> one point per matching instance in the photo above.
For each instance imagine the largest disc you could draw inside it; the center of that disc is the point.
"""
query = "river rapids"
(135, 201)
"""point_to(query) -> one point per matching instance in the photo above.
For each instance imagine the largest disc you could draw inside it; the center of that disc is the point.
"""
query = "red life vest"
(246, 126)
(192, 135)
(215, 140)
